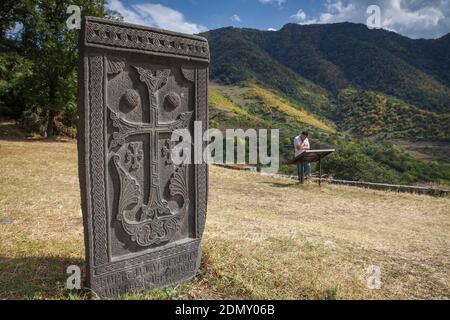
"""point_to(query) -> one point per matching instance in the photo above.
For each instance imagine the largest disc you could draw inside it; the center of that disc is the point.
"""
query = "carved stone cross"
(143, 216)
(157, 222)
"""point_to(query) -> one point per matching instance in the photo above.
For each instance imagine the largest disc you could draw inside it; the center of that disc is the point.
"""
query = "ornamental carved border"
(97, 168)
(202, 169)
(107, 33)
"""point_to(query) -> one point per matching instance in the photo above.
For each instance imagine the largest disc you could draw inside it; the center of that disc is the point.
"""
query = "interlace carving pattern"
(97, 160)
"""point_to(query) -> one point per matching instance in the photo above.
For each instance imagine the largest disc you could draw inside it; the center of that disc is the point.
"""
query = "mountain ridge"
(334, 57)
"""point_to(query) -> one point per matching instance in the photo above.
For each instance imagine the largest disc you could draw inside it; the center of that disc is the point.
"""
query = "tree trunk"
(50, 123)
(51, 112)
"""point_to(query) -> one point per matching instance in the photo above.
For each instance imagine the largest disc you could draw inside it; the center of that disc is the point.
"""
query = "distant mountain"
(367, 93)
(306, 61)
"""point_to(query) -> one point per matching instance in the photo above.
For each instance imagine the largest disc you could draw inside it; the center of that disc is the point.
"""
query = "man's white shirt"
(298, 141)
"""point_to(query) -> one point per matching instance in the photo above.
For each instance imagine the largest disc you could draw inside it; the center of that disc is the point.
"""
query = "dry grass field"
(265, 237)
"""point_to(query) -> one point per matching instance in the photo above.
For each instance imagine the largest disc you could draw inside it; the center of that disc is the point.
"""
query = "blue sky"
(412, 18)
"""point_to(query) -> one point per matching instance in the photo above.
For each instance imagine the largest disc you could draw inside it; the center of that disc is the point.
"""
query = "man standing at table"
(301, 143)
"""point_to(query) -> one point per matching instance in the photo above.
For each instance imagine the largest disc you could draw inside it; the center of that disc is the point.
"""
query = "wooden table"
(311, 156)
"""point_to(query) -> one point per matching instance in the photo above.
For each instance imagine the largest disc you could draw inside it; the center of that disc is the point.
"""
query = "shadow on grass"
(296, 185)
(11, 131)
(36, 277)
(47, 140)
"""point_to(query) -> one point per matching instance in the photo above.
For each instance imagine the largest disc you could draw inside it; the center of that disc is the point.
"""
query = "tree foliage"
(368, 113)
(47, 51)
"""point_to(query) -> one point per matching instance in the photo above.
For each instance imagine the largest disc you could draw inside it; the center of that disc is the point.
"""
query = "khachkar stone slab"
(143, 215)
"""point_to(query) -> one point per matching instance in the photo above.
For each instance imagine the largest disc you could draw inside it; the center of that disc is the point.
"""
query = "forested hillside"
(365, 89)
(369, 113)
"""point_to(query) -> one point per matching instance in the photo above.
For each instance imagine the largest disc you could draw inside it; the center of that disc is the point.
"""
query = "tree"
(46, 41)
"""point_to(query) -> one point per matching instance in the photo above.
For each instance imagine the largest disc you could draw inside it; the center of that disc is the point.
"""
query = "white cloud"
(413, 18)
(272, 29)
(300, 15)
(302, 18)
(278, 2)
(235, 18)
(155, 15)
(129, 15)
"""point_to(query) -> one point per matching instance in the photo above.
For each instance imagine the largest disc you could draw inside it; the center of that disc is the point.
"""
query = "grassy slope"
(272, 102)
(426, 150)
(252, 106)
(260, 104)
(263, 243)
